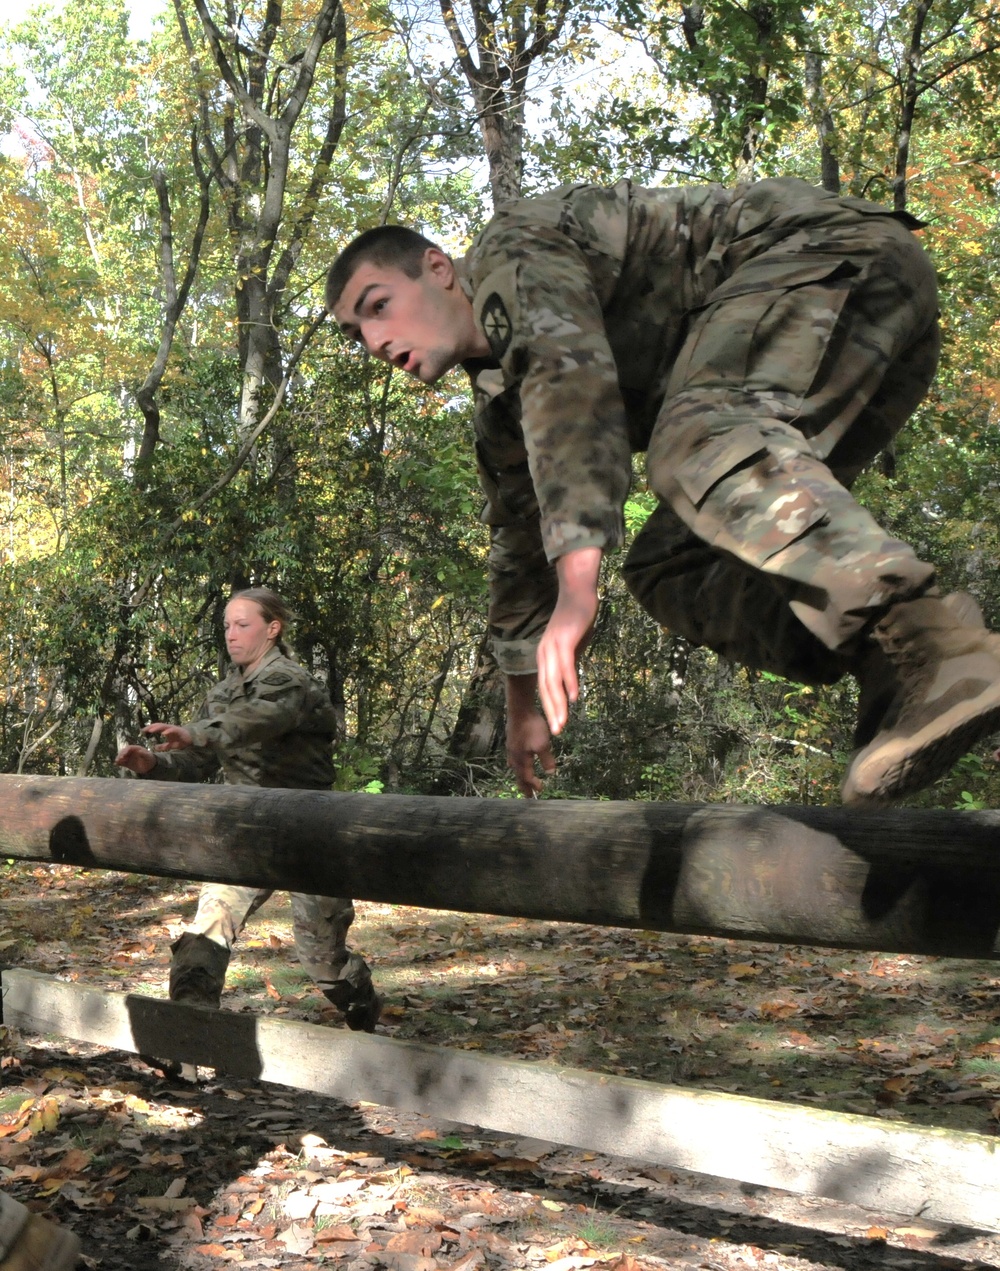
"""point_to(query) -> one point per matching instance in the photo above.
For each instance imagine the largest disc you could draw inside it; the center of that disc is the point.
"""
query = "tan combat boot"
(197, 976)
(197, 970)
(29, 1242)
(948, 666)
(879, 696)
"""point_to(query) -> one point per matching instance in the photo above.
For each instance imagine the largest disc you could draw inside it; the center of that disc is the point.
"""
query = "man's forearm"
(520, 692)
(578, 572)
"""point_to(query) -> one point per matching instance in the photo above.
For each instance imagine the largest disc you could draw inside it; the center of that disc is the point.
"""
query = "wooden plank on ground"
(940, 1174)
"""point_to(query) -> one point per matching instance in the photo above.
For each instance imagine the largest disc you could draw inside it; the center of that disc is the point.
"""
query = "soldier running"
(762, 344)
(268, 723)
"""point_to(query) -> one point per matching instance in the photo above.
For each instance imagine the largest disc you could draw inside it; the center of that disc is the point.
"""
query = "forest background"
(176, 418)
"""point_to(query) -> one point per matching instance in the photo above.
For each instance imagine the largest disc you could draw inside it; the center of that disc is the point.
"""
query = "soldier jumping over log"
(762, 344)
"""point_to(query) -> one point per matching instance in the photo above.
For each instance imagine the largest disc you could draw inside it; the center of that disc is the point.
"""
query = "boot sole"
(905, 765)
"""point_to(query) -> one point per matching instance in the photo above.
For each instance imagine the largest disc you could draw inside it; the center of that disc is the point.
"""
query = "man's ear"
(439, 265)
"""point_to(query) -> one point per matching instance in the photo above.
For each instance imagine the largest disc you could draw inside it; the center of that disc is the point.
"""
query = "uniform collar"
(462, 274)
(266, 660)
(486, 376)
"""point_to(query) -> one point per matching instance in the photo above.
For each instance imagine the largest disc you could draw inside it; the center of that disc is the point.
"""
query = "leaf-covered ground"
(153, 1172)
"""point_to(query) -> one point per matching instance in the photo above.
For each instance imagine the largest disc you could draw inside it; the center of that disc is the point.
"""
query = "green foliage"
(359, 503)
(743, 61)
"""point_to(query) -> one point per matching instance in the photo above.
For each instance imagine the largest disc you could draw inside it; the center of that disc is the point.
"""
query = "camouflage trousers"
(12, 1219)
(320, 924)
(802, 367)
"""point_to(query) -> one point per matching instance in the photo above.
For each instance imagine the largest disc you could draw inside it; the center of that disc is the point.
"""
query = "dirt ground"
(153, 1172)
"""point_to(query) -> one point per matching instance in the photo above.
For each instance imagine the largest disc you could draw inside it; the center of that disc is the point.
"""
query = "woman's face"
(248, 635)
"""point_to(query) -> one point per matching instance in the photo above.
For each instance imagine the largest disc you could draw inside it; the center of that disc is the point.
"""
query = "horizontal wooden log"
(943, 1175)
(892, 880)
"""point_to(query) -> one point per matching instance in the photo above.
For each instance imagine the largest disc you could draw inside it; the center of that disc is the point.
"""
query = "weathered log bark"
(944, 1175)
(893, 880)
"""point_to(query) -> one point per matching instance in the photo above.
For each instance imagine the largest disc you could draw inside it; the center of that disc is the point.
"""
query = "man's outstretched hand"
(567, 633)
(528, 738)
(529, 731)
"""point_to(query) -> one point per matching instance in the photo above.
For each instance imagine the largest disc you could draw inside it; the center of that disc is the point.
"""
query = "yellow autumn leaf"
(23, 1109)
(64, 1074)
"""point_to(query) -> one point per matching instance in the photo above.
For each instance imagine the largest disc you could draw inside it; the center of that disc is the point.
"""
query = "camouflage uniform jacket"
(583, 294)
(273, 727)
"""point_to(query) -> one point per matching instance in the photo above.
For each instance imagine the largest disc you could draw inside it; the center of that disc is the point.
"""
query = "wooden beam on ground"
(943, 1175)
(895, 880)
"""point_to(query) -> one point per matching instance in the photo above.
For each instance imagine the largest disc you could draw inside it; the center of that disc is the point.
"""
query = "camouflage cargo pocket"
(765, 329)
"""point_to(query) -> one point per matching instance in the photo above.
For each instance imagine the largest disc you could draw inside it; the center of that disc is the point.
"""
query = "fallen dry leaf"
(423, 1243)
(470, 1261)
(572, 1245)
(298, 1238)
(419, 1216)
(341, 1232)
(167, 1204)
(778, 1009)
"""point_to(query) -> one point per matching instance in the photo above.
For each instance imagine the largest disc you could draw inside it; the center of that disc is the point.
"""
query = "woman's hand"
(137, 759)
(172, 736)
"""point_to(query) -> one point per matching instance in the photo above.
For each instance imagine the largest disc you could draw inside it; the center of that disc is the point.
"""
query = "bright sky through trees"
(142, 14)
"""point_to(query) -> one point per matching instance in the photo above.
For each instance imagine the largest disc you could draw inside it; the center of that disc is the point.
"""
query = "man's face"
(422, 325)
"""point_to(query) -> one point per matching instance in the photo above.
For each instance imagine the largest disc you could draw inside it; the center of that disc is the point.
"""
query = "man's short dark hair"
(388, 246)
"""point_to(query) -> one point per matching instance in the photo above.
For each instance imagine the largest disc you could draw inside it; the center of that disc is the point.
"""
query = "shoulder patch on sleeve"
(495, 306)
(496, 324)
(276, 678)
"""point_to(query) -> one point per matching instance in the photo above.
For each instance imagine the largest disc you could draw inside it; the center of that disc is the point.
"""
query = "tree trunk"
(825, 131)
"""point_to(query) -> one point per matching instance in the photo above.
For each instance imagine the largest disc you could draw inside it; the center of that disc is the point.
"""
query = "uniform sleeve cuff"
(163, 769)
(201, 733)
(565, 537)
